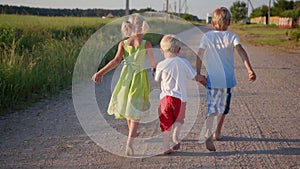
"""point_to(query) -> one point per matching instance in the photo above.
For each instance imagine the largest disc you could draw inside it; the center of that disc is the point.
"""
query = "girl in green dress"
(130, 98)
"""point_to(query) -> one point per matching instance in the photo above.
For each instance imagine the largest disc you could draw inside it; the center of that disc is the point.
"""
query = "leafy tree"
(187, 17)
(239, 11)
(143, 10)
(281, 6)
(296, 4)
(260, 11)
(6, 9)
(291, 13)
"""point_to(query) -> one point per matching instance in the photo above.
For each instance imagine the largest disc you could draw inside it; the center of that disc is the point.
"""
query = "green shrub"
(295, 34)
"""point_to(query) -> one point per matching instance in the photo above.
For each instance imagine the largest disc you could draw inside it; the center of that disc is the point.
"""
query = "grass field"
(37, 57)
(269, 35)
(42, 22)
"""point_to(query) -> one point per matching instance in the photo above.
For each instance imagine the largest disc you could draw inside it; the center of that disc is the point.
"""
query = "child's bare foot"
(167, 152)
(210, 144)
(217, 136)
(129, 150)
(176, 146)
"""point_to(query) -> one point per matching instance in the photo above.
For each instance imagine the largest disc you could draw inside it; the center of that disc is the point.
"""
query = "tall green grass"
(37, 57)
(29, 22)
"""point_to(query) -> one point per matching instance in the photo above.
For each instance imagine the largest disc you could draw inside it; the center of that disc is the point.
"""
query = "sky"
(195, 7)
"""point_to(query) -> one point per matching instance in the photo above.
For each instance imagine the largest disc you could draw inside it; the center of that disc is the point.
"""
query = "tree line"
(283, 8)
(24, 10)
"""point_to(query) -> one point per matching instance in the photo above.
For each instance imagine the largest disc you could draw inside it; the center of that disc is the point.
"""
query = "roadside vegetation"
(286, 40)
(37, 57)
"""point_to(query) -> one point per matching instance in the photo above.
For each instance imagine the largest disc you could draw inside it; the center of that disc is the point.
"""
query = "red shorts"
(171, 109)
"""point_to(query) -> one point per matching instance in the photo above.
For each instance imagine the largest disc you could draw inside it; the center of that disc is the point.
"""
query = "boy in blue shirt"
(217, 50)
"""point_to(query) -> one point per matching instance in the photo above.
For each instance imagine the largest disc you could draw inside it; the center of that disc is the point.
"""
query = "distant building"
(208, 18)
(110, 15)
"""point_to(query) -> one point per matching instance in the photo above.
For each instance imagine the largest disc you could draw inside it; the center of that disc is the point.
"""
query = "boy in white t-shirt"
(217, 50)
(173, 72)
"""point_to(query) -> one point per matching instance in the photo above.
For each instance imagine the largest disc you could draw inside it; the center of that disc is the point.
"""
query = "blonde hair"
(135, 24)
(170, 43)
(221, 16)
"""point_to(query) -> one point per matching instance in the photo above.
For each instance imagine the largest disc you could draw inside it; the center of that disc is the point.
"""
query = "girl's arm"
(150, 54)
(148, 47)
(241, 51)
(97, 77)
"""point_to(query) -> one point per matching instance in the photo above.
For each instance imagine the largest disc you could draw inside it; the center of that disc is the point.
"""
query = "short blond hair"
(221, 16)
(170, 43)
(133, 25)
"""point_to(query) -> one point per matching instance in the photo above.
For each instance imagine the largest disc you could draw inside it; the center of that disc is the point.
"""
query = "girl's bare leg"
(133, 126)
(128, 123)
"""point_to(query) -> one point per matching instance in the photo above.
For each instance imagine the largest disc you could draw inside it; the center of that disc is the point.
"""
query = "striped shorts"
(218, 101)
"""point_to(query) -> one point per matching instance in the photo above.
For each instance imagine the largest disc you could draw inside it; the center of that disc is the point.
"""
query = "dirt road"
(262, 130)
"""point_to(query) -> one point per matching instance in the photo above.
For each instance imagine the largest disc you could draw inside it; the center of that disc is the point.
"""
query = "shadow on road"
(281, 151)
(230, 138)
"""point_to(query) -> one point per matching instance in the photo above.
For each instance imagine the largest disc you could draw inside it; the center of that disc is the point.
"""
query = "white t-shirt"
(173, 73)
(219, 58)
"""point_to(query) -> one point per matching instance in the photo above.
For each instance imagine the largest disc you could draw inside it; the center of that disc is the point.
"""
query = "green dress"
(130, 98)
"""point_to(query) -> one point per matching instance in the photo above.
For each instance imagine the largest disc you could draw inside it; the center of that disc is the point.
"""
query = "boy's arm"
(157, 75)
(241, 51)
(200, 78)
(199, 61)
